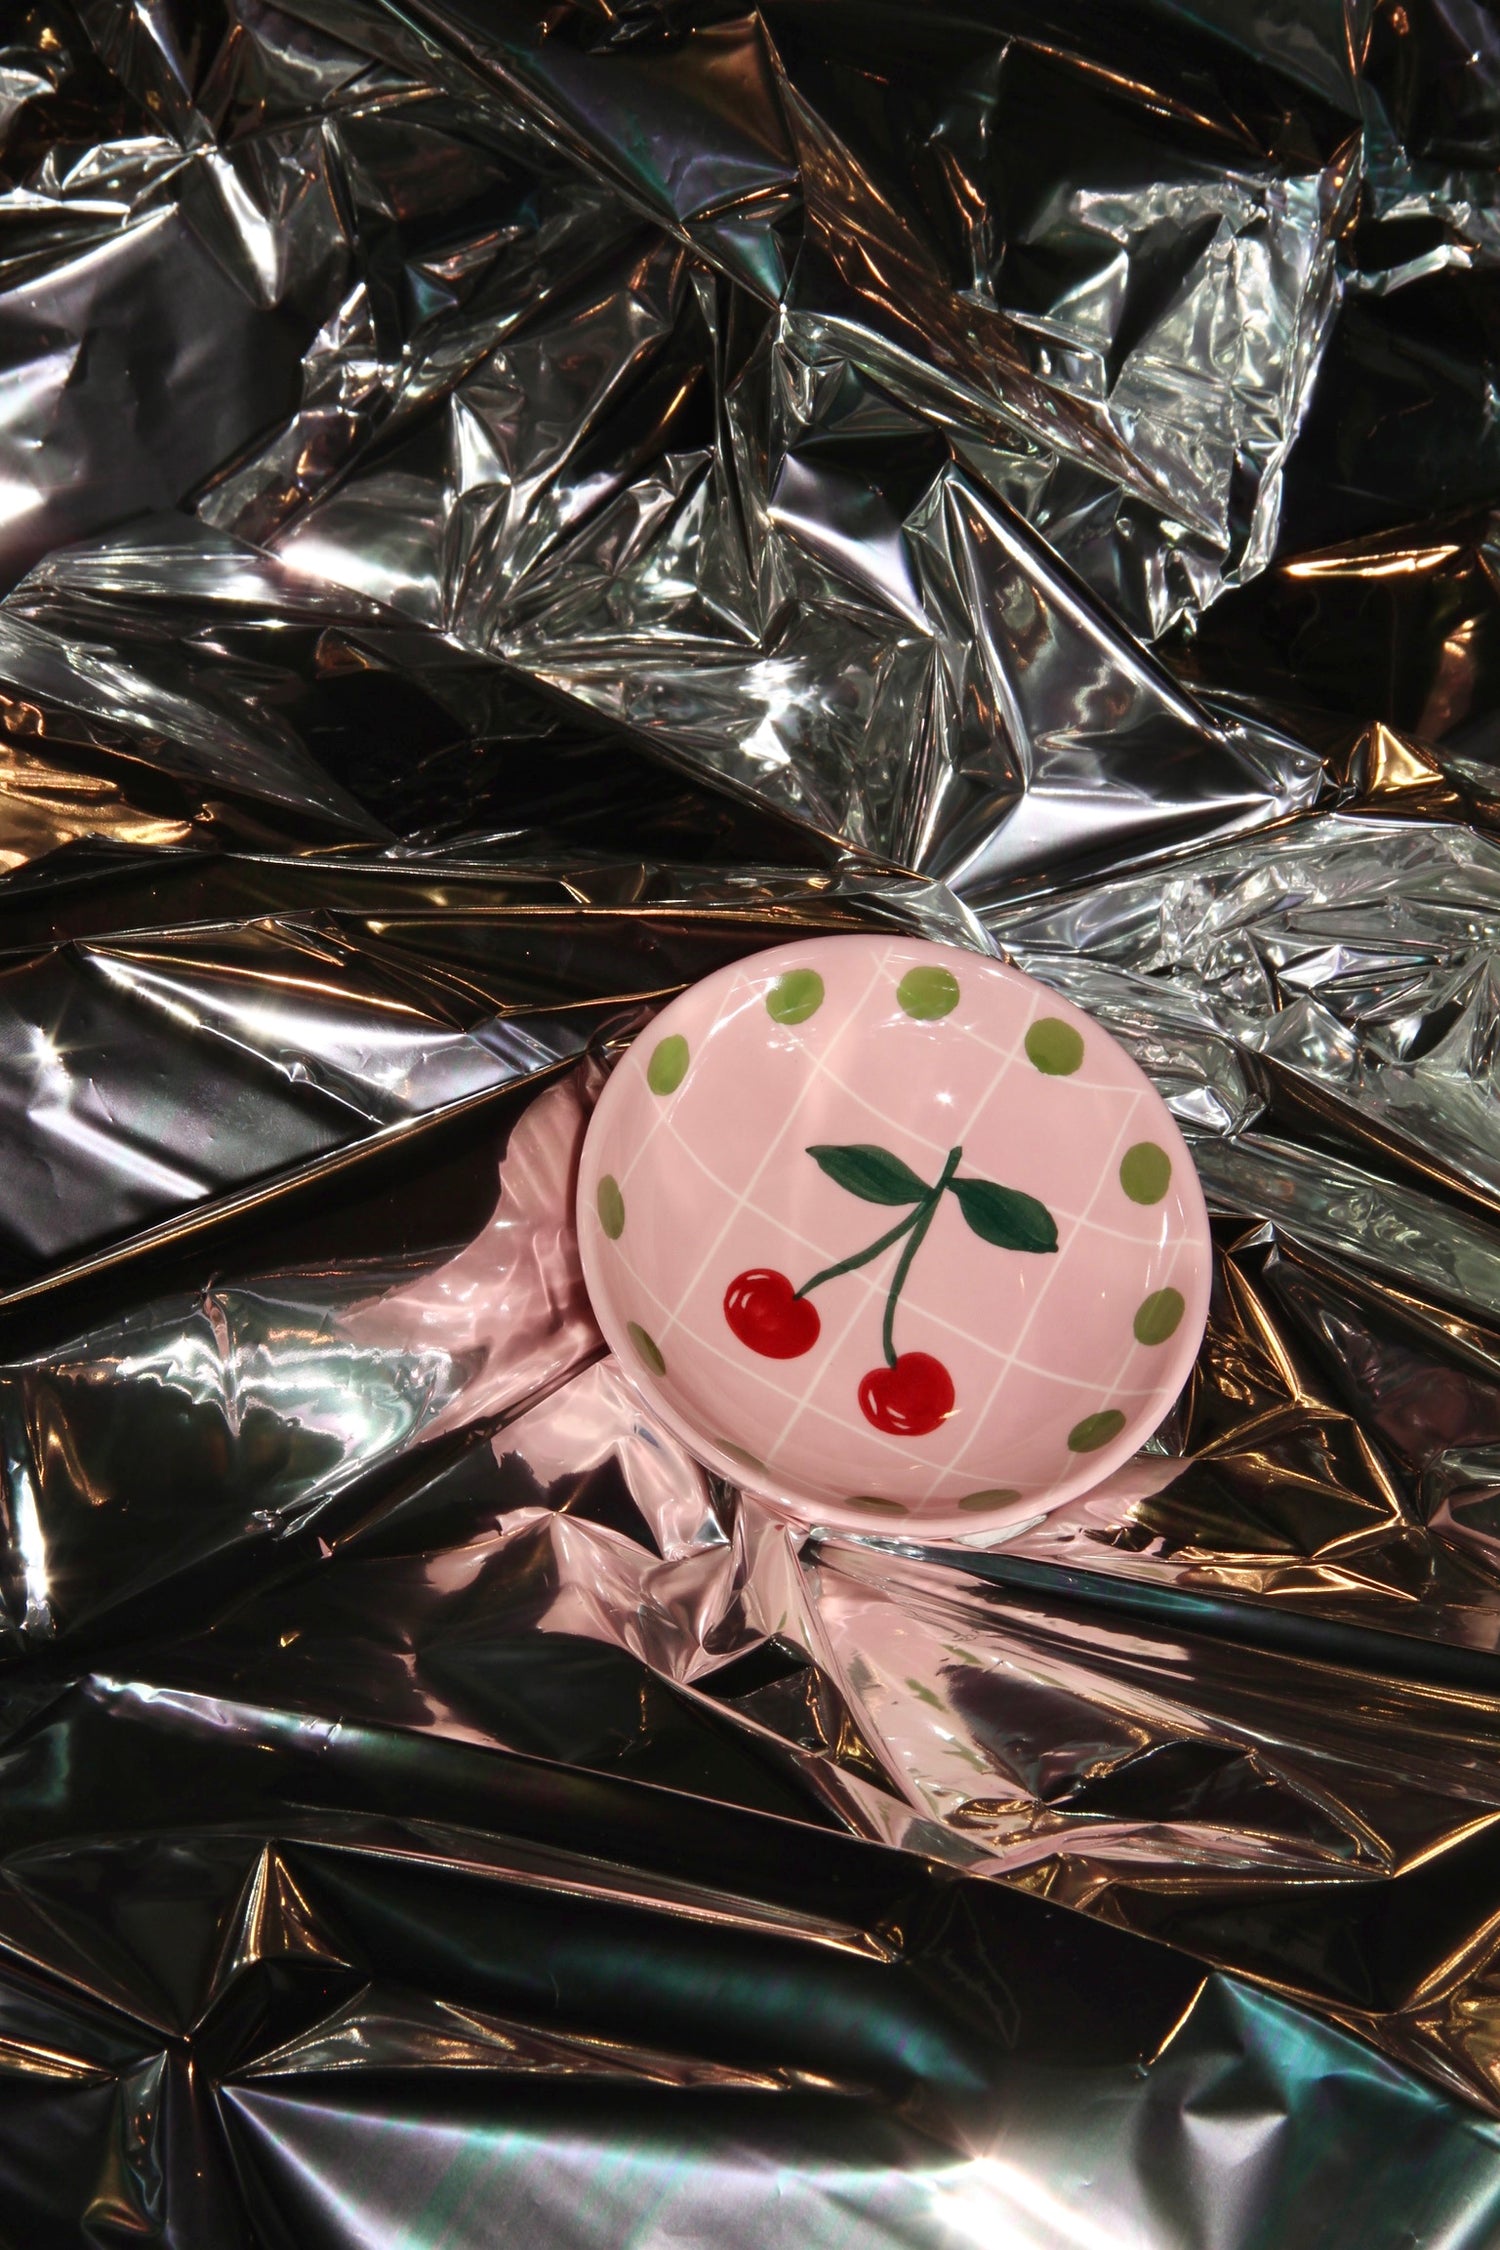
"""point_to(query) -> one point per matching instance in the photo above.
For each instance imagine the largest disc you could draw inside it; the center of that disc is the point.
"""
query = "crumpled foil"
(503, 510)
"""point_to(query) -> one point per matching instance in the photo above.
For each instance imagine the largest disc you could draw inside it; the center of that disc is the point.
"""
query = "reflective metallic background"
(501, 511)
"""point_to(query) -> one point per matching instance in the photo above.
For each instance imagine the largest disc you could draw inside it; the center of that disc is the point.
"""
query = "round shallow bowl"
(889, 1234)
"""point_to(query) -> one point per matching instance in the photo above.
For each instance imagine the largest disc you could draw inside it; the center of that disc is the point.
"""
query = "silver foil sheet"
(503, 510)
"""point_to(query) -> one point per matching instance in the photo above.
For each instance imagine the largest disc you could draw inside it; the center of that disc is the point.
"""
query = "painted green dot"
(978, 1503)
(1145, 1172)
(611, 1206)
(795, 996)
(1158, 1316)
(928, 993)
(647, 1347)
(1095, 1430)
(1054, 1046)
(738, 1453)
(876, 1505)
(668, 1065)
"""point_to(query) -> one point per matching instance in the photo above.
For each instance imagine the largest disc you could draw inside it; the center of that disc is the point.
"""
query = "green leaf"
(1004, 1216)
(871, 1173)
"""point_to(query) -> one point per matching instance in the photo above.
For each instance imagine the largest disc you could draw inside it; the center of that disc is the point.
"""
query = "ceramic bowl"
(888, 1233)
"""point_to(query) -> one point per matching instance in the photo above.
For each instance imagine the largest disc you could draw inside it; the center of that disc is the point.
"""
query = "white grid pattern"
(749, 985)
(820, 1070)
(716, 1351)
(876, 1289)
(997, 1080)
(1009, 1360)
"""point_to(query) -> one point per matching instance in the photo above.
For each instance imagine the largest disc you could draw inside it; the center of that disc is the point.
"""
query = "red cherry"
(909, 1399)
(766, 1314)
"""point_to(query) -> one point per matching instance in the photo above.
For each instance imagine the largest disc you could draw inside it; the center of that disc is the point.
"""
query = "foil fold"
(501, 512)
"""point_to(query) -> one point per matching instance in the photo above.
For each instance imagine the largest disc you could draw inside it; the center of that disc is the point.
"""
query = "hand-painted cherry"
(768, 1316)
(909, 1399)
(1010, 1277)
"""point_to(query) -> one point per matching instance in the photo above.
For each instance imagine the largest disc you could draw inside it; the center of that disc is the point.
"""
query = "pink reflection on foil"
(511, 1303)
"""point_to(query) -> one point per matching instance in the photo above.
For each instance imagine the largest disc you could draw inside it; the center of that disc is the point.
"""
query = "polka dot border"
(1054, 1047)
(1146, 1172)
(648, 1351)
(795, 996)
(610, 1204)
(927, 994)
(1095, 1430)
(668, 1065)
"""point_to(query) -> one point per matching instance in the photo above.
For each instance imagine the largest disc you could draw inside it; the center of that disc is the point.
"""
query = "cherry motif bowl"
(888, 1233)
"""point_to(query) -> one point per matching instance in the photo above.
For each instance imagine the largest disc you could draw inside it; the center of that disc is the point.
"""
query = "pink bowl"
(888, 1233)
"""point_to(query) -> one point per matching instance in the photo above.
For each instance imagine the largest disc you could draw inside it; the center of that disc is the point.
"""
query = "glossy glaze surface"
(892, 1230)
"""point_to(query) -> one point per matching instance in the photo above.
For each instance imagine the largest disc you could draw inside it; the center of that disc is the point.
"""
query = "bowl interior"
(888, 1231)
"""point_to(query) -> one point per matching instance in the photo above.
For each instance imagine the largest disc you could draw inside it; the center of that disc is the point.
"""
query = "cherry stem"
(863, 1257)
(925, 1214)
(915, 1225)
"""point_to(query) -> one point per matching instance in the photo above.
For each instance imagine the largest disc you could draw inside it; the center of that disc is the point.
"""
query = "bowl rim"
(812, 1513)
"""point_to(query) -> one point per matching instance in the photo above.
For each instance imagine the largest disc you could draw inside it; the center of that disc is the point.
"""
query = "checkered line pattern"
(785, 1412)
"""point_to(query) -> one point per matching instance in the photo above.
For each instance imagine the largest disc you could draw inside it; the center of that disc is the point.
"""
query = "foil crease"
(502, 511)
